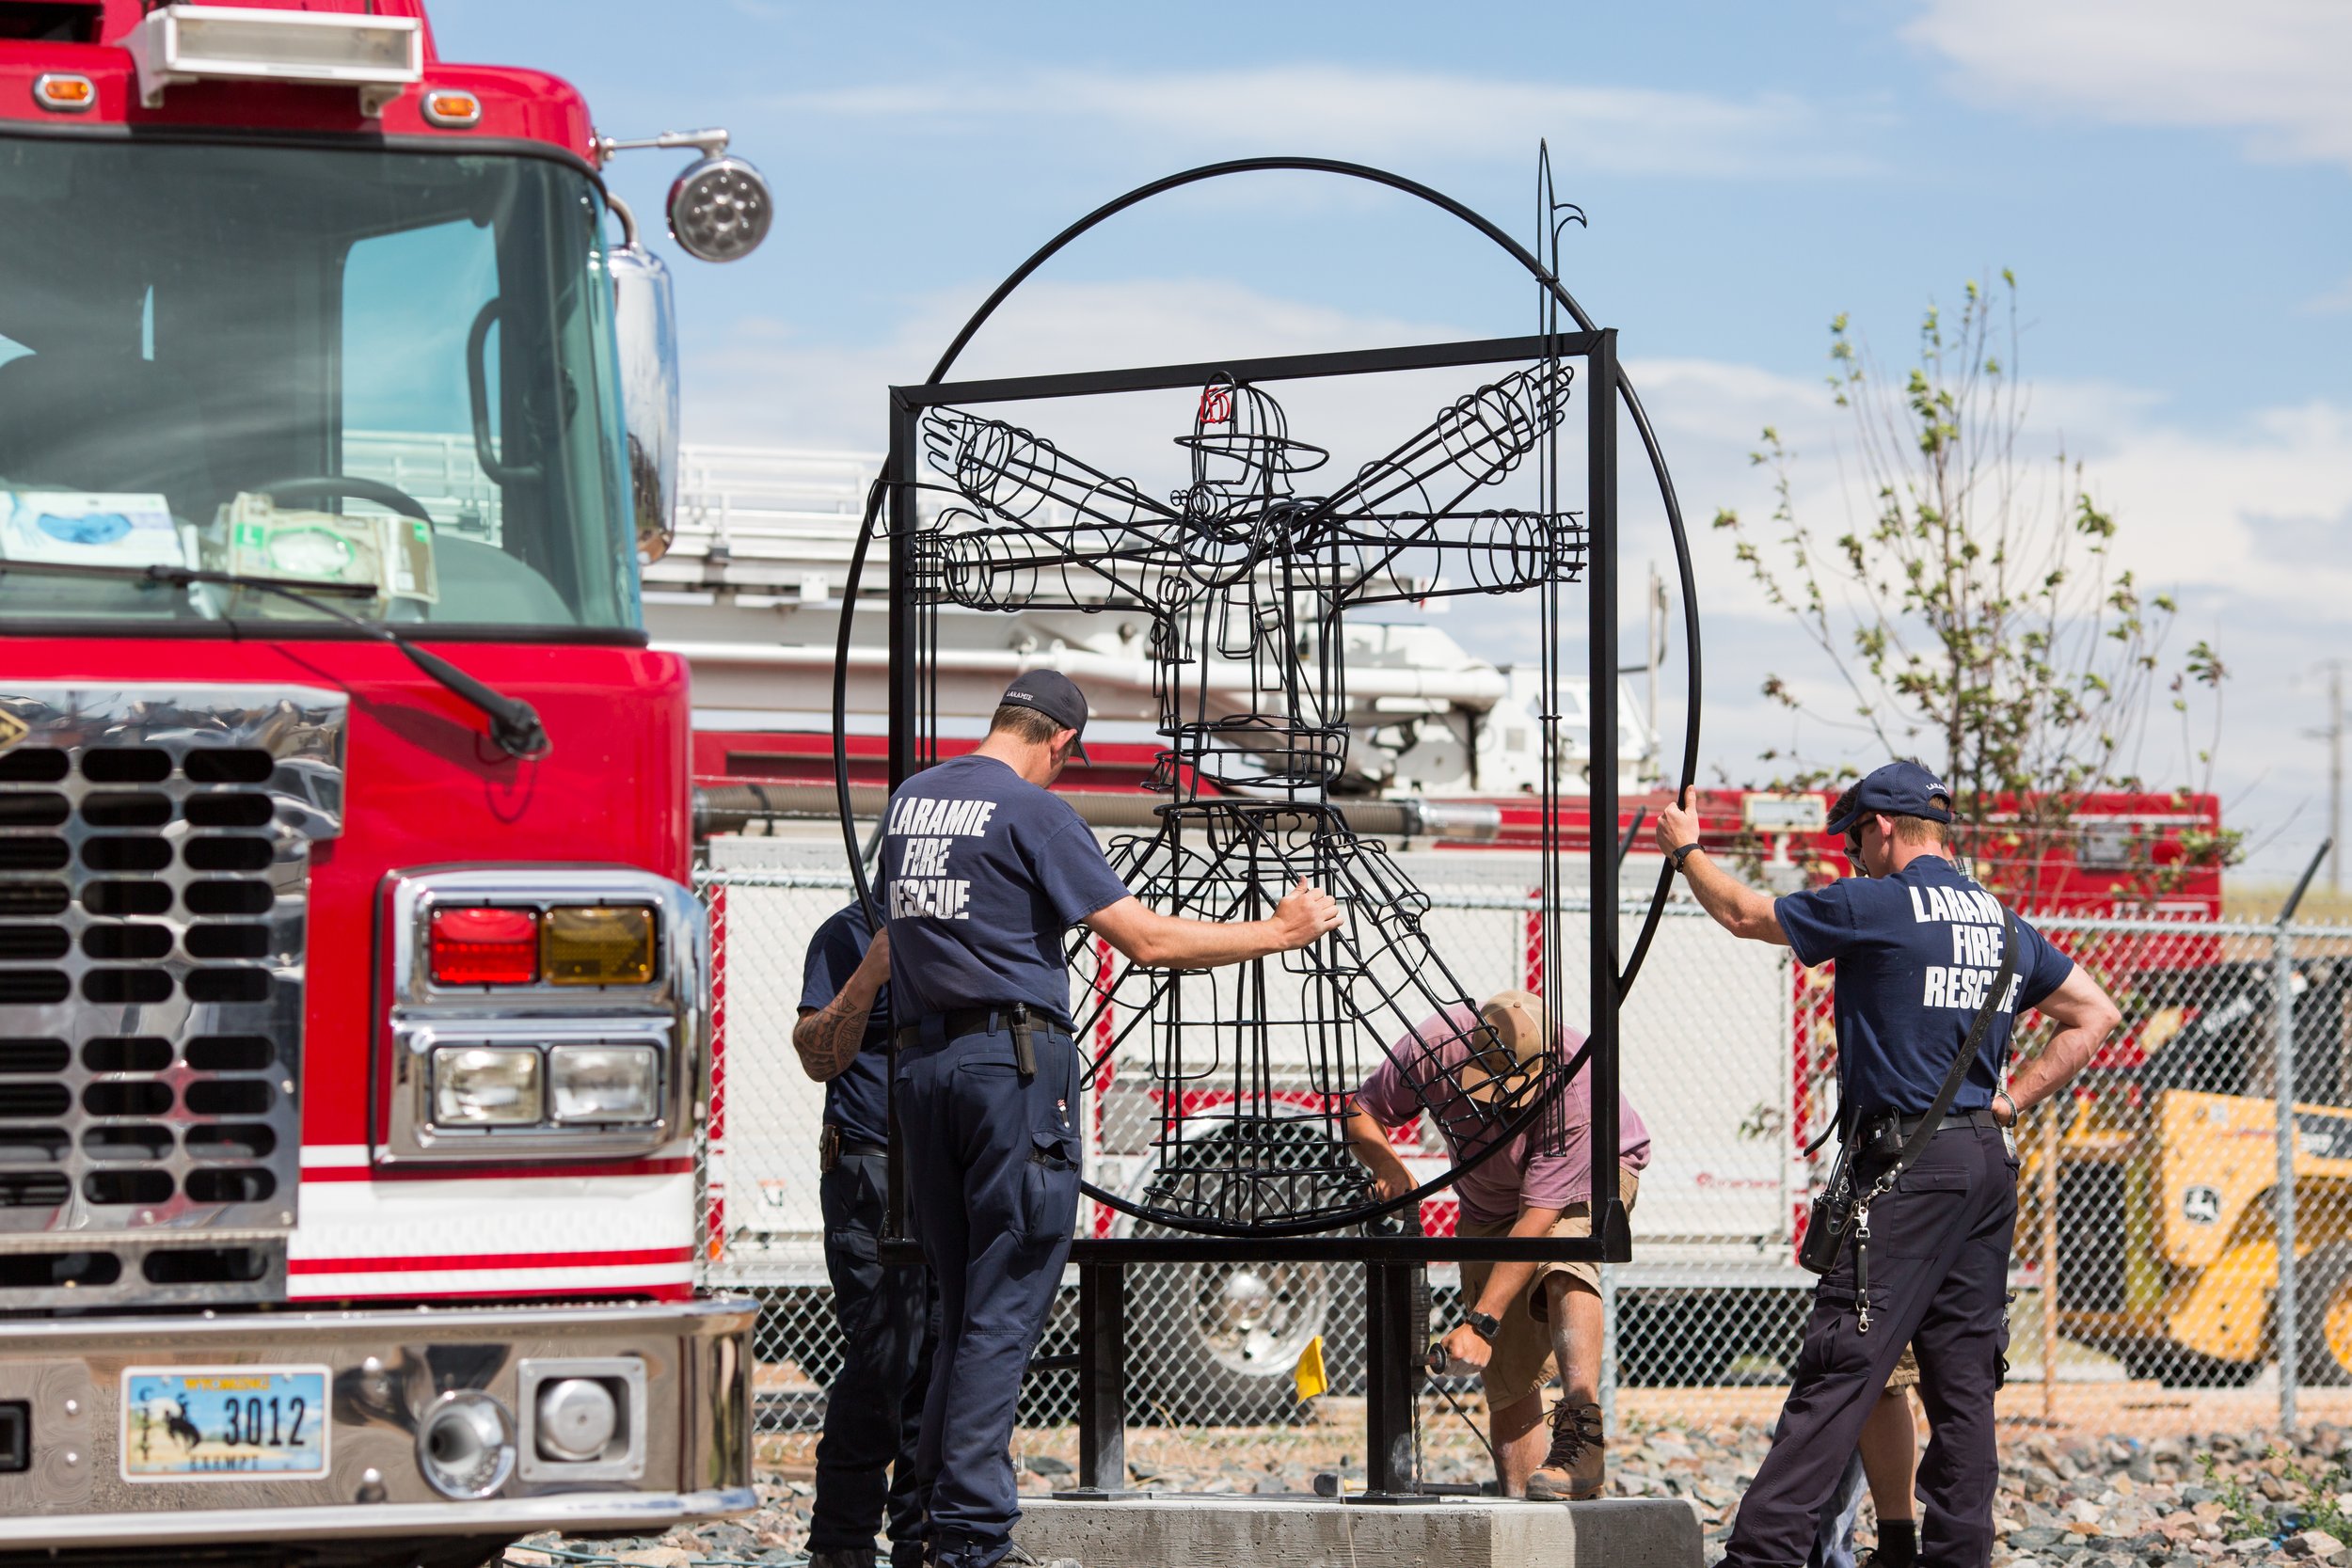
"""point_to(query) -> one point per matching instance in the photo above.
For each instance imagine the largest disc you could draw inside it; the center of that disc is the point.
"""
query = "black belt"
(983, 1020)
(1017, 1019)
(862, 1149)
(1980, 1116)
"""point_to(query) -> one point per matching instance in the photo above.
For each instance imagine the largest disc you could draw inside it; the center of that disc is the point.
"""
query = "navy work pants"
(1939, 1276)
(889, 1316)
(992, 1177)
(1833, 1541)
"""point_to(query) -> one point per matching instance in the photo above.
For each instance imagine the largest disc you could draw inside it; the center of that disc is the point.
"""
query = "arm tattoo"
(828, 1040)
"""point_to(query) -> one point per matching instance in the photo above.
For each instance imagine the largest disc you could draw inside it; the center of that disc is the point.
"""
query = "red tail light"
(484, 947)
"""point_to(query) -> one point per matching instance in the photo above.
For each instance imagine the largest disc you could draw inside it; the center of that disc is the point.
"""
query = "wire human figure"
(1246, 583)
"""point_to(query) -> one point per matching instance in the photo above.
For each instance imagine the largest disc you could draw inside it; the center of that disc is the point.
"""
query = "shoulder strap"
(1917, 1143)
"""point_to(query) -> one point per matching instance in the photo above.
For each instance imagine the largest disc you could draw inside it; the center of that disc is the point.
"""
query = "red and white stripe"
(517, 1231)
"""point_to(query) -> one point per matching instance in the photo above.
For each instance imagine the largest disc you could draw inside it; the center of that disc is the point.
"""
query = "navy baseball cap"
(1055, 695)
(1897, 789)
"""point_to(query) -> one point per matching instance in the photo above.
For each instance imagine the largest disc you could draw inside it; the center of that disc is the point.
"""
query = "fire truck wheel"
(1214, 1344)
(2324, 1294)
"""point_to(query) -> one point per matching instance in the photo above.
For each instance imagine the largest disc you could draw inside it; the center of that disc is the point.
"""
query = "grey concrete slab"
(1167, 1532)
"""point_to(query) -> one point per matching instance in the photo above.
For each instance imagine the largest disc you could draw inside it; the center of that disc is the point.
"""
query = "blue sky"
(2170, 180)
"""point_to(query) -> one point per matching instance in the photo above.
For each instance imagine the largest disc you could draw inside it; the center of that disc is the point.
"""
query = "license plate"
(223, 1423)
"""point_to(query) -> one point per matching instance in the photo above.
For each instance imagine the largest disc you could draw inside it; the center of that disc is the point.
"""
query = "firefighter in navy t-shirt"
(889, 1315)
(983, 872)
(1917, 945)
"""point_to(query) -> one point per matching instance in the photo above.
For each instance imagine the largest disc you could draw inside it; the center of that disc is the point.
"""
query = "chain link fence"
(2185, 1241)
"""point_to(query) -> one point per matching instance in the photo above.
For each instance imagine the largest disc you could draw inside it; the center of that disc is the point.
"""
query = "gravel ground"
(2081, 1501)
(2085, 1502)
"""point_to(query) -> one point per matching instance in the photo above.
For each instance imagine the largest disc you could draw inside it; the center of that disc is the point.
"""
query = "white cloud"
(2245, 517)
(1367, 114)
(2335, 302)
(762, 385)
(2272, 69)
(2258, 510)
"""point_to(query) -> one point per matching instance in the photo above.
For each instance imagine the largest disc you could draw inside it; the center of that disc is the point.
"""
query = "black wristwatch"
(1675, 858)
(1484, 1325)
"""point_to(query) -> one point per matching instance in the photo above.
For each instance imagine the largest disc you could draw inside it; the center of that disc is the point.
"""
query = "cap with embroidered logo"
(1897, 789)
(1055, 695)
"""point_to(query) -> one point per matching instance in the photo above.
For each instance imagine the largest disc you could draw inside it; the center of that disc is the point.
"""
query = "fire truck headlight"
(720, 209)
(485, 1086)
(605, 1082)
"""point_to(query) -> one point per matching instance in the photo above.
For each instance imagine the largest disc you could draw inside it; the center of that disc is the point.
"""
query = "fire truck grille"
(154, 852)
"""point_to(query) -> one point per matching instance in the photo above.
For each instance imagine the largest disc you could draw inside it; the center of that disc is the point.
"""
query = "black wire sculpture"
(1246, 580)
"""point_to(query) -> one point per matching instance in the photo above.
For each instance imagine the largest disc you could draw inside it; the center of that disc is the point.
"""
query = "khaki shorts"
(1906, 1374)
(1519, 1362)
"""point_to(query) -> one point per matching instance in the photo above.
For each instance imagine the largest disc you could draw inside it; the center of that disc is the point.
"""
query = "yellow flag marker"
(1307, 1377)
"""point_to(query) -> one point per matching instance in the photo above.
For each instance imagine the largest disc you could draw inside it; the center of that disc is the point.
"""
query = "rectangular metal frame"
(1391, 1338)
(1611, 1238)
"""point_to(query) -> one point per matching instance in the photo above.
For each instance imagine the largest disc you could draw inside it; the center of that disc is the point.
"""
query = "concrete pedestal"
(1315, 1532)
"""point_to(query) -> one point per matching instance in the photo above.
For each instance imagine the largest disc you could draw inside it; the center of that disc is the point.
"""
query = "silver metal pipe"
(1475, 689)
(728, 808)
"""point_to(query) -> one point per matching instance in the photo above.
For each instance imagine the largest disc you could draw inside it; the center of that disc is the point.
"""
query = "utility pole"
(2335, 777)
(2333, 736)
(1656, 652)
(1653, 655)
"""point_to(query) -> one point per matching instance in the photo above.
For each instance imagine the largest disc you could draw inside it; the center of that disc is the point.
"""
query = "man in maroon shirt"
(1520, 1320)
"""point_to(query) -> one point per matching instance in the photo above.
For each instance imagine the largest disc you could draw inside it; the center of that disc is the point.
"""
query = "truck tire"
(2173, 1366)
(1214, 1344)
(2324, 1316)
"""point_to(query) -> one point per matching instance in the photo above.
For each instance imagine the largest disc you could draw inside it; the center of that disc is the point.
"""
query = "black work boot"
(842, 1557)
(1898, 1547)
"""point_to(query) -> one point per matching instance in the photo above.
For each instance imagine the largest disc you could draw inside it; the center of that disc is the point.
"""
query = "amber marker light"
(65, 93)
(484, 947)
(597, 945)
(451, 110)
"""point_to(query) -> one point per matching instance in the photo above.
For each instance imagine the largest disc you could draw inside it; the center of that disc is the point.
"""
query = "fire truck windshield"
(389, 369)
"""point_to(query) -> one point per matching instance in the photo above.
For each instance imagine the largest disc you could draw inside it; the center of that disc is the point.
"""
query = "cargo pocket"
(1049, 1191)
(1917, 1218)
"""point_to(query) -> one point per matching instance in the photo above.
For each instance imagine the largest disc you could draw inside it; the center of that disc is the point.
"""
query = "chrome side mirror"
(645, 319)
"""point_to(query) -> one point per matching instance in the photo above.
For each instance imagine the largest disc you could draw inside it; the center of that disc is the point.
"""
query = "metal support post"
(2053, 1138)
(906, 691)
(1392, 1361)
(2289, 1335)
(1600, 566)
(1102, 1380)
(900, 474)
(1609, 1347)
(2286, 1326)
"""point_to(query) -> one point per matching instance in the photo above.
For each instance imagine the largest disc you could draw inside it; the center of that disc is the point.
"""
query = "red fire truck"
(353, 1004)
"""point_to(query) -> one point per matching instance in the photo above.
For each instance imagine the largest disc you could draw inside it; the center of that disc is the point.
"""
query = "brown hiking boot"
(1578, 1461)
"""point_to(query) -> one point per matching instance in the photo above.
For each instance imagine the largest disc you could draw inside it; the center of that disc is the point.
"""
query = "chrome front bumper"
(387, 1367)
